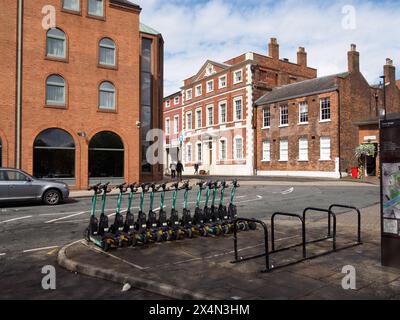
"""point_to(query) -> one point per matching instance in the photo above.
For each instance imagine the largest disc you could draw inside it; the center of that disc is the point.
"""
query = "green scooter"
(174, 223)
(154, 233)
(117, 228)
(211, 227)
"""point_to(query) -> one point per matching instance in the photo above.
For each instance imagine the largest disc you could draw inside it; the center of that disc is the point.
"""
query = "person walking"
(173, 170)
(196, 169)
(179, 170)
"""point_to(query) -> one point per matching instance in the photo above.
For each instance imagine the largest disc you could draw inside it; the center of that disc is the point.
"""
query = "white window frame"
(301, 105)
(197, 118)
(234, 108)
(189, 94)
(176, 124)
(283, 150)
(208, 90)
(176, 100)
(208, 107)
(266, 151)
(236, 150)
(167, 126)
(220, 85)
(320, 110)
(220, 104)
(235, 80)
(322, 148)
(281, 124)
(189, 156)
(168, 103)
(198, 94)
(199, 159)
(264, 113)
(223, 157)
(189, 116)
(303, 146)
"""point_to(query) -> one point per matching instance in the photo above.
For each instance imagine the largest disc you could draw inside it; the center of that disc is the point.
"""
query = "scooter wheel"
(158, 237)
(133, 242)
(177, 236)
(252, 226)
(106, 246)
(189, 233)
(204, 233)
(86, 235)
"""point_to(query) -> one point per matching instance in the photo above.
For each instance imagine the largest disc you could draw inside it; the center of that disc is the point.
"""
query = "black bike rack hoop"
(303, 232)
(358, 212)
(235, 240)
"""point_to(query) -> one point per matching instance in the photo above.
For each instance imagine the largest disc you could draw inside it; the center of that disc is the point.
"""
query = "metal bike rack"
(358, 212)
(332, 234)
(303, 229)
(235, 240)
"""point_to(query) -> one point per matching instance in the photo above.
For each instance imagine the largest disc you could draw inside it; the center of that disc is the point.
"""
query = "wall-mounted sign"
(370, 138)
(390, 192)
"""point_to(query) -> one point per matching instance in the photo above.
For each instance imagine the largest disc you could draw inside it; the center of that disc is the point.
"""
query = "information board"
(390, 192)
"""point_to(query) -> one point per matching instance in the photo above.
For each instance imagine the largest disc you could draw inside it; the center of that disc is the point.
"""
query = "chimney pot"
(353, 57)
(389, 62)
(302, 57)
(353, 47)
(273, 49)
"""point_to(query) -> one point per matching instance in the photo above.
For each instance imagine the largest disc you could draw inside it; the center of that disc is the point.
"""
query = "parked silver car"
(16, 185)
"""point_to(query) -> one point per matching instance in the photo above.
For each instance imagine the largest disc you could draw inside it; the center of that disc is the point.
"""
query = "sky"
(197, 30)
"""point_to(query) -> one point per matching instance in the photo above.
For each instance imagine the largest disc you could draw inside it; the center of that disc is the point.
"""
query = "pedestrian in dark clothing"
(173, 170)
(179, 170)
(196, 169)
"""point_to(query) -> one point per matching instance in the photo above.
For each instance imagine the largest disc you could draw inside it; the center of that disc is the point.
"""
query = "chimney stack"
(273, 49)
(302, 57)
(354, 59)
(389, 71)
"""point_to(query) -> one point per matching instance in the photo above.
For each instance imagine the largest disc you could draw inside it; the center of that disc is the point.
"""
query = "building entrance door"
(370, 164)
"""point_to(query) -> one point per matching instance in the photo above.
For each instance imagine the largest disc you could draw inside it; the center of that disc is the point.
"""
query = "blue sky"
(197, 30)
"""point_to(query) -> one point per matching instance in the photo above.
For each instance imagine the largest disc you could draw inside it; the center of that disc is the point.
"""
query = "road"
(32, 234)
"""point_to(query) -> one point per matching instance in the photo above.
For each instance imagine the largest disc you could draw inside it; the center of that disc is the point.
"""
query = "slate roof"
(126, 3)
(301, 89)
(146, 29)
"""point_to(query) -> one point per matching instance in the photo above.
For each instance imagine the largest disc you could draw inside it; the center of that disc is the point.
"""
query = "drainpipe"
(339, 140)
(19, 87)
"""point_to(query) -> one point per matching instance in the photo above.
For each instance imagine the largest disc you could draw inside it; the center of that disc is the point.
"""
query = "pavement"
(32, 234)
(201, 268)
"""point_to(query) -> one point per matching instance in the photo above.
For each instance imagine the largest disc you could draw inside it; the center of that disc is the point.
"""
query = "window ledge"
(324, 160)
(265, 128)
(91, 16)
(265, 161)
(283, 160)
(303, 123)
(56, 106)
(56, 59)
(303, 160)
(106, 111)
(108, 67)
(325, 121)
(77, 13)
(283, 126)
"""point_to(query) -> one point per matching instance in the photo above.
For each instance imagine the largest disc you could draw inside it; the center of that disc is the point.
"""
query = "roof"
(146, 29)
(178, 93)
(126, 3)
(301, 89)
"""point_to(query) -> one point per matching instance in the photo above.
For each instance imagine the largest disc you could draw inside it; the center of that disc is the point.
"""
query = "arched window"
(54, 154)
(107, 96)
(55, 90)
(107, 52)
(106, 156)
(56, 43)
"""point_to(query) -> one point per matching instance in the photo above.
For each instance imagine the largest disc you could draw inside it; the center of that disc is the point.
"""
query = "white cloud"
(195, 31)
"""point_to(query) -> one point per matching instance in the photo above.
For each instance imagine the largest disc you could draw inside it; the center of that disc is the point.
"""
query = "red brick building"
(78, 99)
(172, 115)
(310, 128)
(218, 102)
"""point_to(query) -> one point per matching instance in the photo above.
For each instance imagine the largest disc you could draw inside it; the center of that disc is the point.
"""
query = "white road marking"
(2, 254)
(258, 198)
(40, 249)
(71, 221)
(70, 216)
(289, 191)
(16, 219)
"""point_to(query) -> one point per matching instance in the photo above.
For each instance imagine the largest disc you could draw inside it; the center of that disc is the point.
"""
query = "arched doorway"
(106, 157)
(54, 155)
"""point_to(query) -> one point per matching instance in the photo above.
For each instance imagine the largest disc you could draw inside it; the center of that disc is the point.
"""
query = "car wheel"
(52, 197)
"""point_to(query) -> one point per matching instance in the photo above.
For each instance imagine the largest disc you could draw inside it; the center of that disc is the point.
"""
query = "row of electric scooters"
(211, 220)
